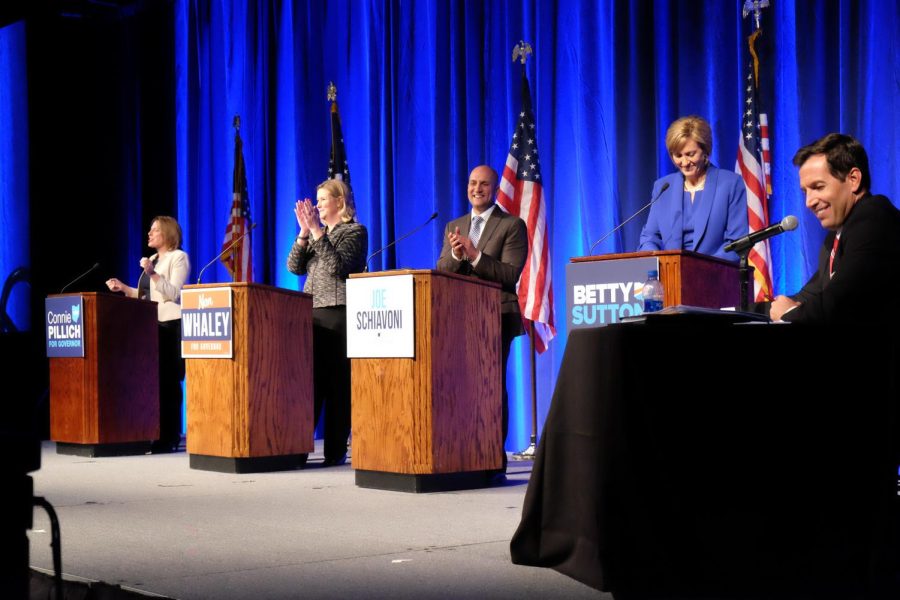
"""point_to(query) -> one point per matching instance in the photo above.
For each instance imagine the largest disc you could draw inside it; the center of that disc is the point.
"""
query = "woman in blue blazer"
(704, 208)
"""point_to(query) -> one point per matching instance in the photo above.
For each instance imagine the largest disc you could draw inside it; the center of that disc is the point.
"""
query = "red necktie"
(834, 248)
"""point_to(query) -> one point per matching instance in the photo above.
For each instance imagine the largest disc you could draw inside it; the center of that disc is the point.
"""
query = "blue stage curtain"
(427, 90)
(14, 205)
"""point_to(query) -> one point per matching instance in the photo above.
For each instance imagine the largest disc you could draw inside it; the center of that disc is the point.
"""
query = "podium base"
(434, 482)
(252, 464)
(101, 450)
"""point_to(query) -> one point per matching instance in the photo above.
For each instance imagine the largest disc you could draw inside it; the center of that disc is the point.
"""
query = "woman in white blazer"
(163, 275)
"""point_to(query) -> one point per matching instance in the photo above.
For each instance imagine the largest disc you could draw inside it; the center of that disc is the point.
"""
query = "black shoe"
(332, 461)
(496, 476)
(160, 447)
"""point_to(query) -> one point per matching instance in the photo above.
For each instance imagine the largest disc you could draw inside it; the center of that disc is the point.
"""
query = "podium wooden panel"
(433, 422)
(254, 412)
(107, 402)
(688, 277)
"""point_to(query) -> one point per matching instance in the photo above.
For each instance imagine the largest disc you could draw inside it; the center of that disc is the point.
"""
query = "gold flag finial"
(521, 51)
(332, 92)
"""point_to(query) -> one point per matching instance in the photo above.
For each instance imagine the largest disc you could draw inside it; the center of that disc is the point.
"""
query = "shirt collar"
(485, 215)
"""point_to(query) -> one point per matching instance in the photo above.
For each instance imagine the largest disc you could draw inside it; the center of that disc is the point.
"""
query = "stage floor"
(152, 524)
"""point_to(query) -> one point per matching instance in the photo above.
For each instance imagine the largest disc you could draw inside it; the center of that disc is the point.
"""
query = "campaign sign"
(206, 323)
(380, 318)
(602, 292)
(65, 326)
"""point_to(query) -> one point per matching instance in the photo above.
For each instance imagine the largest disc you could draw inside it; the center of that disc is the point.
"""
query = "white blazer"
(173, 270)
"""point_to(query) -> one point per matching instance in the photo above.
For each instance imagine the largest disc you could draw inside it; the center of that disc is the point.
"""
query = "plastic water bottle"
(652, 292)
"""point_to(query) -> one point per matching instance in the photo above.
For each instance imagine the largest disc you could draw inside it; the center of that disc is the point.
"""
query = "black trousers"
(331, 374)
(171, 374)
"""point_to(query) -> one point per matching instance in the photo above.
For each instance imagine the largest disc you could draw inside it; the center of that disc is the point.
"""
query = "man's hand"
(780, 305)
(462, 246)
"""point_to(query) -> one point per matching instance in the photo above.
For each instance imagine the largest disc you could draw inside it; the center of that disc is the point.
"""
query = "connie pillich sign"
(380, 320)
(65, 326)
(206, 323)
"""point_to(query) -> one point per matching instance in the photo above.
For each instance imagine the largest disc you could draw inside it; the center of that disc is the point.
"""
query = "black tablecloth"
(692, 459)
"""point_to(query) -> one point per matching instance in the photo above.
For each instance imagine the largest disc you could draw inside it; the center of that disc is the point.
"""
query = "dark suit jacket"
(866, 268)
(504, 249)
(328, 261)
(719, 218)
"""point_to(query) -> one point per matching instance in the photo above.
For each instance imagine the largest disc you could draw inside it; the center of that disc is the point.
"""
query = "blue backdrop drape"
(427, 90)
(14, 205)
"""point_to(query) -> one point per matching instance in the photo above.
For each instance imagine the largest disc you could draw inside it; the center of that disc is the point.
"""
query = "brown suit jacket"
(504, 249)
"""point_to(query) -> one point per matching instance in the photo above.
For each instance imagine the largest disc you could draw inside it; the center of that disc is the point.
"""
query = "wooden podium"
(432, 422)
(688, 277)
(107, 402)
(253, 412)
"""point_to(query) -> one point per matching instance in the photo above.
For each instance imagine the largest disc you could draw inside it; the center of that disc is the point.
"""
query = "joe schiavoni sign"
(206, 323)
(380, 319)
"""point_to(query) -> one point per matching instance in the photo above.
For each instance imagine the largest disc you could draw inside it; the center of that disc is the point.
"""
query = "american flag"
(238, 259)
(521, 194)
(753, 164)
(338, 168)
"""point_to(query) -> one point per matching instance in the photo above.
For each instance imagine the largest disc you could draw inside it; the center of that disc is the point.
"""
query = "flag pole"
(331, 94)
(528, 453)
(236, 125)
(520, 53)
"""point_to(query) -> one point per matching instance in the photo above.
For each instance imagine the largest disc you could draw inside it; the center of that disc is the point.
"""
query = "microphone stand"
(745, 272)
(401, 238)
(79, 278)
(639, 211)
(223, 252)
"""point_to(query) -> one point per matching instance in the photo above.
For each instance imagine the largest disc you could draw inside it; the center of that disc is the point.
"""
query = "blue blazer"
(720, 218)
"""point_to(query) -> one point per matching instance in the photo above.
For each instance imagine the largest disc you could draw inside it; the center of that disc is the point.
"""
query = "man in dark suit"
(492, 245)
(859, 263)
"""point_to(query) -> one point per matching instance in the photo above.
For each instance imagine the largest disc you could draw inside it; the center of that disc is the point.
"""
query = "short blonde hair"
(338, 189)
(170, 230)
(689, 128)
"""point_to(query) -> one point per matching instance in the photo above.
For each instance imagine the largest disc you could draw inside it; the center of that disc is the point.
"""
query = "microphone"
(789, 223)
(664, 187)
(80, 277)
(225, 251)
(402, 237)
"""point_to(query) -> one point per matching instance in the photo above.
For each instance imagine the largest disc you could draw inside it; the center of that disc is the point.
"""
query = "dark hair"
(843, 152)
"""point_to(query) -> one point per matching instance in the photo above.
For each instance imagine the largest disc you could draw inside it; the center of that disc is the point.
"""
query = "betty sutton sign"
(602, 292)
(64, 326)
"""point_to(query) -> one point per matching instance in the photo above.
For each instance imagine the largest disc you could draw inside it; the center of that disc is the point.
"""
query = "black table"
(691, 458)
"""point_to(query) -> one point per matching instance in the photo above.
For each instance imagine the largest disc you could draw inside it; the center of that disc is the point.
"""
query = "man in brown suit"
(491, 245)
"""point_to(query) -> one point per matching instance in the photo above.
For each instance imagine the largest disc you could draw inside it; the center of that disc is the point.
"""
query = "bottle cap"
(652, 273)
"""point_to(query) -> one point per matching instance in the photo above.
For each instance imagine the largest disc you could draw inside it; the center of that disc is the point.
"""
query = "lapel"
(829, 239)
(673, 197)
(490, 227)
(465, 223)
(704, 209)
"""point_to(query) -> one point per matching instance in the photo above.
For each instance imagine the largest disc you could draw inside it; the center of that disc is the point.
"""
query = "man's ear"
(855, 178)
